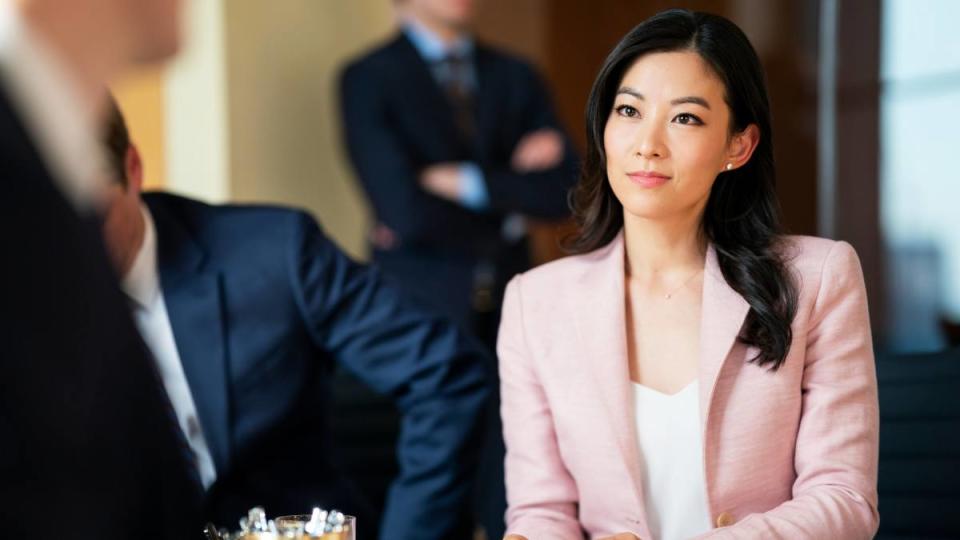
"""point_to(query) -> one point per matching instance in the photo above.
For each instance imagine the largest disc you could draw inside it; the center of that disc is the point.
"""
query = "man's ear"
(133, 166)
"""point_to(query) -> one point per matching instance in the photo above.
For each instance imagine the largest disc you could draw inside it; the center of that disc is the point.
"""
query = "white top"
(142, 285)
(59, 122)
(671, 456)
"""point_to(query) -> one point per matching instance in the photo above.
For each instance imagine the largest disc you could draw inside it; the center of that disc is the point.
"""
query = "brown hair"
(116, 140)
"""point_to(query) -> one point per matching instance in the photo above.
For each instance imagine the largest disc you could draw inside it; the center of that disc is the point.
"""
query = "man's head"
(99, 38)
(449, 14)
(147, 31)
(123, 225)
(155, 28)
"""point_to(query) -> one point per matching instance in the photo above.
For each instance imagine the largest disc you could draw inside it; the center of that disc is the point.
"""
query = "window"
(920, 168)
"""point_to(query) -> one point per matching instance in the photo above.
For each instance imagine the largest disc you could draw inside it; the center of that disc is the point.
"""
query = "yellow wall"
(141, 98)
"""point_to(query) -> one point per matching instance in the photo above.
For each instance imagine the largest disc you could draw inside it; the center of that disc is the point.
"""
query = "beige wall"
(283, 60)
(198, 129)
(248, 111)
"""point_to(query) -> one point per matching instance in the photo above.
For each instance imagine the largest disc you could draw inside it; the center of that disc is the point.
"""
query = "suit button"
(724, 519)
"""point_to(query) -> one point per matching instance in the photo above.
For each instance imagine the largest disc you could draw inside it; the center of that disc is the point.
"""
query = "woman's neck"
(657, 249)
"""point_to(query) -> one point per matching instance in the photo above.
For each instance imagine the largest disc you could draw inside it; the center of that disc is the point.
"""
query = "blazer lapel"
(601, 325)
(723, 311)
(194, 306)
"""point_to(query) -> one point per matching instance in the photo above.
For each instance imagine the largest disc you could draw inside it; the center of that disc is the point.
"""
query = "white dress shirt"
(671, 450)
(62, 126)
(142, 286)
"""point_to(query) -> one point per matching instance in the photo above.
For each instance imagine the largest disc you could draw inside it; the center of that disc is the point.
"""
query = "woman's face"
(667, 136)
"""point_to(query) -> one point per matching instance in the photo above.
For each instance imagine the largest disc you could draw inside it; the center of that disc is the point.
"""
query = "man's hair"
(116, 140)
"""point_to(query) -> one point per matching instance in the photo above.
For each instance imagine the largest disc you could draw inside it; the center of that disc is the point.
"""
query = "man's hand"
(383, 237)
(621, 536)
(442, 180)
(538, 151)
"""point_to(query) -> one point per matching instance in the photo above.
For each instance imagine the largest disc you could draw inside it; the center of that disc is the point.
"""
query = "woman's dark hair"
(742, 216)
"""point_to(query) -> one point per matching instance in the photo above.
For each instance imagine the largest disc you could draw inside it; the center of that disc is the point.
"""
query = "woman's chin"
(647, 207)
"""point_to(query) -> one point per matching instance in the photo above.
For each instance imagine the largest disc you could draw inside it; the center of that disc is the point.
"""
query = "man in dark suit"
(246, 309)
(87, 449)
(455, 144)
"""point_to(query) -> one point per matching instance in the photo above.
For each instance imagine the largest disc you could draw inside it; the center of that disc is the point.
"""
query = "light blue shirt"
(433, 50)
(473, 186)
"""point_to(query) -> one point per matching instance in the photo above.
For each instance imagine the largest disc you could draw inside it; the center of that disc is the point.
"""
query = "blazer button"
(724, 519)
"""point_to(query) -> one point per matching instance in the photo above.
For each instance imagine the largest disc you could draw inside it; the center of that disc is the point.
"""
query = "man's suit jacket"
(397, 121)
(261, 304)
(86, 445)
(787, 454)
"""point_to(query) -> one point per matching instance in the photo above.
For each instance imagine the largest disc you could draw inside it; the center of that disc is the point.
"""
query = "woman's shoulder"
(553, 278)
(804, 252)
(549, 275)
(816, 260)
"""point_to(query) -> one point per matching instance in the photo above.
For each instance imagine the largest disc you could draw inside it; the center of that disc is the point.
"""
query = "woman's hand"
(621, 536)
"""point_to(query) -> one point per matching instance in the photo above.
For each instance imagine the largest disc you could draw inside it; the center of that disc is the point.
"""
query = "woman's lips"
(648, 179)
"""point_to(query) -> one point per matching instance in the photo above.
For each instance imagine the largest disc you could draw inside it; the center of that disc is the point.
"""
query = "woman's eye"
(628, 111)
(688, 119)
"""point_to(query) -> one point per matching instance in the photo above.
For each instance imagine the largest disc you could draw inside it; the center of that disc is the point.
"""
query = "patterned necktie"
(454, 74)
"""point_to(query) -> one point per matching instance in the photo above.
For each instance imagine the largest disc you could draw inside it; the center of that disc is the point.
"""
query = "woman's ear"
(741, 147)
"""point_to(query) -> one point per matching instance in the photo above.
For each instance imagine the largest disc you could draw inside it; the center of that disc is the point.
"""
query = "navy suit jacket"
(397, 121)
(262, 304)
(87, 447)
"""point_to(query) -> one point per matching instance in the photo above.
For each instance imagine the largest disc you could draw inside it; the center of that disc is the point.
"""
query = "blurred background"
(866, 100)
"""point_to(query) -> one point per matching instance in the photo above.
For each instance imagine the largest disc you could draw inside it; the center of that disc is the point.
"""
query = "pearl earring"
(729, 166)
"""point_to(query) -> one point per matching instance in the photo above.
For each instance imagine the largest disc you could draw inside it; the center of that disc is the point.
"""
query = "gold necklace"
(670, 294)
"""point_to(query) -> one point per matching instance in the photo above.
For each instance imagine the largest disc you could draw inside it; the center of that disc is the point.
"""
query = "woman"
(692, 371)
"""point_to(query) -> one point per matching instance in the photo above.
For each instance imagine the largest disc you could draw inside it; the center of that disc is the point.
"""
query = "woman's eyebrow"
(695, 100)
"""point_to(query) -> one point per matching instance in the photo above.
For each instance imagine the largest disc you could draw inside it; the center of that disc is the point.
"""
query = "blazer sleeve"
(538, 194)
(542, 496)
(435, 375)
(835, 493)
(382, 163)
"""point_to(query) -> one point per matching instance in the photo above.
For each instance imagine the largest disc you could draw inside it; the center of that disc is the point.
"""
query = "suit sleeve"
(835, 493)
(434, 374)
(541, 494)
(383, 163)
(538, 194)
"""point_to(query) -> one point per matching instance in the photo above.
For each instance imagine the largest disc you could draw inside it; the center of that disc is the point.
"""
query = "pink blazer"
(789, 454)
